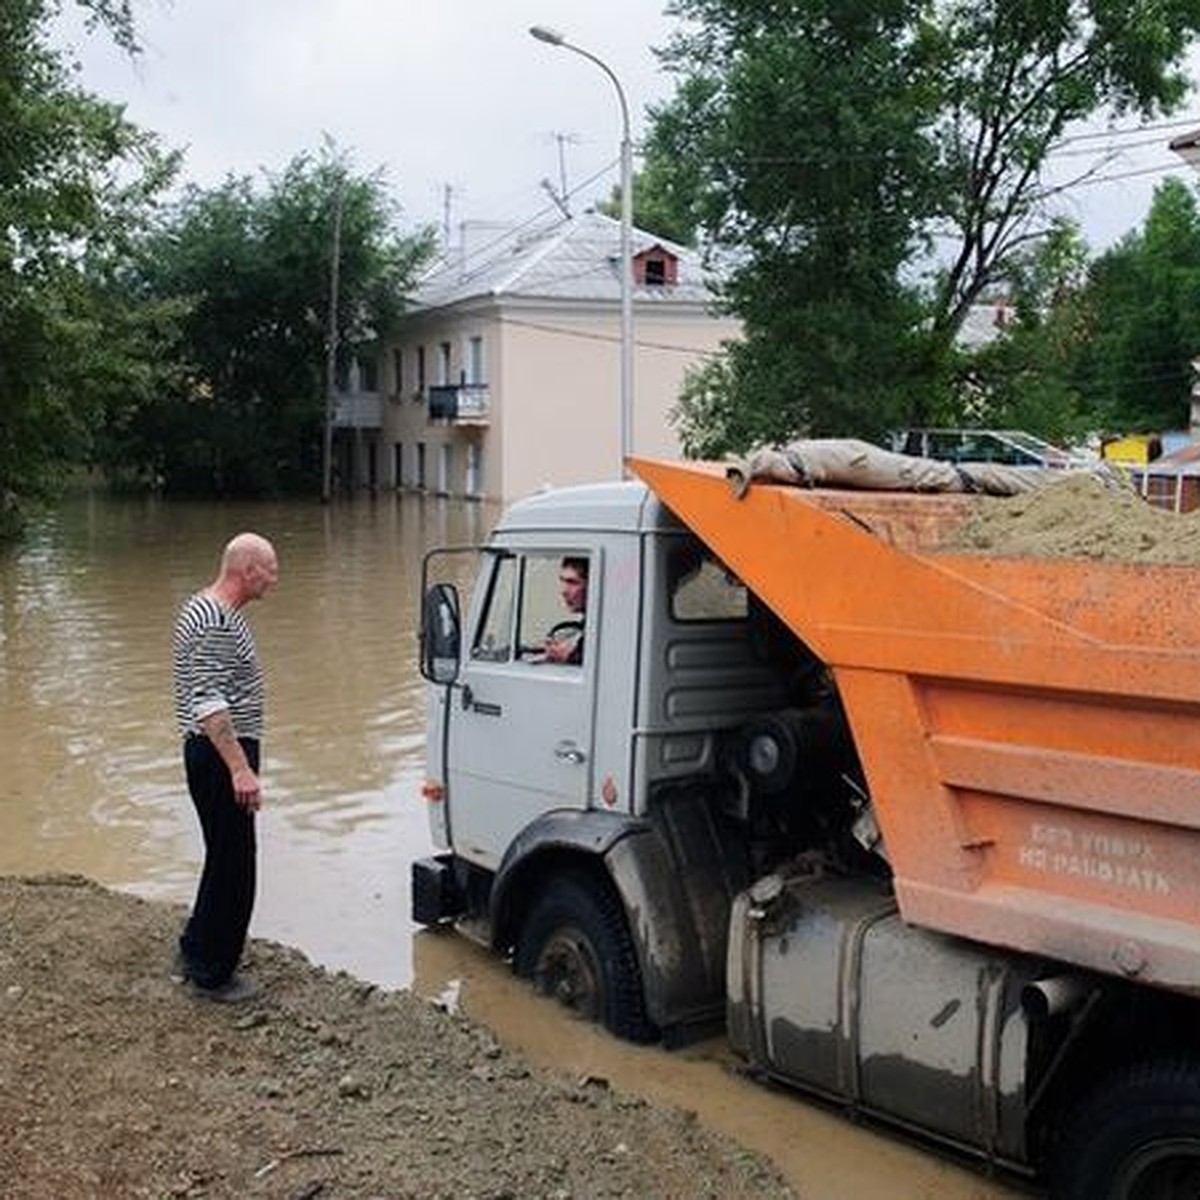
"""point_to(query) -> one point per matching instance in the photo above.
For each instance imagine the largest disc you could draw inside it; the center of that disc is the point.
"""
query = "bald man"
(219, 707)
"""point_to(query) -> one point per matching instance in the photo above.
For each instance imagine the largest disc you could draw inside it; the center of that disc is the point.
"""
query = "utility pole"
(332, 343)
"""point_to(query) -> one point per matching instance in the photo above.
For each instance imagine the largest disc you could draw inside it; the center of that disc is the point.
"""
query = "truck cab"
(630, 772)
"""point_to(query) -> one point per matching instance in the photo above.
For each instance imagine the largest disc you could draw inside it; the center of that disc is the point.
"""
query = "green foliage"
(792, 132)
(1100, 347)
(871, 168)
(1144, 319)
(1028, 377)
(76, 184)
(250, 264)
(669, 192)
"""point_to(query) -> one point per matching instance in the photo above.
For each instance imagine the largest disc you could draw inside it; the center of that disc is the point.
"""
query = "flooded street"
(90, 782)
(823, 1155)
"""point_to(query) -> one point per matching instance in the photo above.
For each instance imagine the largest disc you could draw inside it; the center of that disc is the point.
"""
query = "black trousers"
(215, 934)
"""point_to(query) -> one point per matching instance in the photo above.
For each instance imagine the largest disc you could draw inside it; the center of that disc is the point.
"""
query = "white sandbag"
(849, 463)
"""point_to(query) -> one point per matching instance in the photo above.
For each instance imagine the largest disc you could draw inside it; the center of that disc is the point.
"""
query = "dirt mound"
(115, 1081)
(1080, 515)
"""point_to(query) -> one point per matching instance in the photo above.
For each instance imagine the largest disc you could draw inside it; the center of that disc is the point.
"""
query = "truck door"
(520, 734)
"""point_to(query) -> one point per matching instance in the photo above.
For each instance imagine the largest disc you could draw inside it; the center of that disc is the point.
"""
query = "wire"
(584, 335)
(1192, 122)
(503, 241)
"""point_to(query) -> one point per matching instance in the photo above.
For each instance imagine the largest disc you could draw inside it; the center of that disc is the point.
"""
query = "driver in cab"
(564, 644)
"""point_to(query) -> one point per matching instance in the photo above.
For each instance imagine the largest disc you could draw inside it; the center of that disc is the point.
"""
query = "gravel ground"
(115, 1081)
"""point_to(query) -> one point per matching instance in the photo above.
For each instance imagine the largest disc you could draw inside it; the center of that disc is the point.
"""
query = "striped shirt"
(215, 667)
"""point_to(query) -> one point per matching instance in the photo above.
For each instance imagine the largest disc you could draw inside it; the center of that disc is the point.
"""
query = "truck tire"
(575, 946)
(1137, 1136)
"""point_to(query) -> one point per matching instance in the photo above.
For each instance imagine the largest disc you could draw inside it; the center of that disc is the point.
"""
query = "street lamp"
(553, 38)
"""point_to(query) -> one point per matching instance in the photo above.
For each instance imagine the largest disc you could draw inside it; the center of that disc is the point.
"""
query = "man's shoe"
(237, 989)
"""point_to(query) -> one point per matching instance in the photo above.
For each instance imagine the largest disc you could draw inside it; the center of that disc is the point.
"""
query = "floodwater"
(90, 777)
(90, 782)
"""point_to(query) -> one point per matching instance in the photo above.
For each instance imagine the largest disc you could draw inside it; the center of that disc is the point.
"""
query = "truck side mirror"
(441, 634)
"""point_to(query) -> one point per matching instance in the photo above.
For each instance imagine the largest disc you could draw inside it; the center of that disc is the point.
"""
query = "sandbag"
(849, 463)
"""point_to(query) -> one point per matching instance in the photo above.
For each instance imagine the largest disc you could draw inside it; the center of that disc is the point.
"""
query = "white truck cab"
(586, 793)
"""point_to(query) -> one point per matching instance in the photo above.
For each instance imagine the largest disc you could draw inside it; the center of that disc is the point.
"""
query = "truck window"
(703, 590)
(546, 611)
(493, 638)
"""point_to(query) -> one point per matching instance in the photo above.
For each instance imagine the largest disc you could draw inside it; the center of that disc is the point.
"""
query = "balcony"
(460, 403)
(358, 410)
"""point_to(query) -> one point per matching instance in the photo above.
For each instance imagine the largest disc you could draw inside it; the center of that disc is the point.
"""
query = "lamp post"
(553, 38)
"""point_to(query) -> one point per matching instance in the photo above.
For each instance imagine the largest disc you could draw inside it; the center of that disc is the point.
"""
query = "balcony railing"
(358, 410)
(460, 403)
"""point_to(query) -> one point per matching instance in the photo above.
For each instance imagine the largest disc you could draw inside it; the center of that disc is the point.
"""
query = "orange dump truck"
(920, 828)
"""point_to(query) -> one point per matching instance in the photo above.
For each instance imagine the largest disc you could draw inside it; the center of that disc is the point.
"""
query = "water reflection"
(91, 780)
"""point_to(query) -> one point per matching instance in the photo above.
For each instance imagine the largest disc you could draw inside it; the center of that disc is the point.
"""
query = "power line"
(1101, 150)
(586, 336)
(1191, 122)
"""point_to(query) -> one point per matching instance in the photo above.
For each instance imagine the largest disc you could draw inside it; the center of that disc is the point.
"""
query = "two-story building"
(504, 375)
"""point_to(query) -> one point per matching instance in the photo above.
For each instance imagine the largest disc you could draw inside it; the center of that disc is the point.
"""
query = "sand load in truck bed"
(1029, 727)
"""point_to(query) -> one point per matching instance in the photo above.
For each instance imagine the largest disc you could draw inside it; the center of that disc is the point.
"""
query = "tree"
(874, 165)
(76, 182)
(251, 261)
(667, 193)
(795, 133)
(1143, 314)
(1028, 378)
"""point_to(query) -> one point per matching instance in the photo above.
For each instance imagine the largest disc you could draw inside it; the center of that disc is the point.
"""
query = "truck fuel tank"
(829, 990)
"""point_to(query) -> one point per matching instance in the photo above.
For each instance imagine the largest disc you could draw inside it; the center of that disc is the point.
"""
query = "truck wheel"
(1135, 1138)
(574, 945)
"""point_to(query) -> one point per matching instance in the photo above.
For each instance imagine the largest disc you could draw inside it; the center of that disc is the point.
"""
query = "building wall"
(423, 443)
(554, 387)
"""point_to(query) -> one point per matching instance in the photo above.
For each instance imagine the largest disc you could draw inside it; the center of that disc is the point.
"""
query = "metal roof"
(572, 259)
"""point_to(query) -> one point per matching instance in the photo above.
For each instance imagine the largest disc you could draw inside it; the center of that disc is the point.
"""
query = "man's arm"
(218, 728)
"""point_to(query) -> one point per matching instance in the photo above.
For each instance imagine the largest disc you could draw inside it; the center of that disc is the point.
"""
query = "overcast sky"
(452, 93)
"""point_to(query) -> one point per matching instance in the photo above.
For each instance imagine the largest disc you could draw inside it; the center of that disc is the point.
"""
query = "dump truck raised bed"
(919, 827)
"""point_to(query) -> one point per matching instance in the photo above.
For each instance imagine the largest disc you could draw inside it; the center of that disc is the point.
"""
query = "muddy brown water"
(90, 782)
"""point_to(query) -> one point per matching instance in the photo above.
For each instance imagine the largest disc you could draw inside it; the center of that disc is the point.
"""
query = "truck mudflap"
(830, 991)
(675, 878)
(1029, 728)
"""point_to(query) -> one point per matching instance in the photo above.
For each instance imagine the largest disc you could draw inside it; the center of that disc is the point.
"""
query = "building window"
(421, 465)
(398, 465)
(368, 375)
(397, 371)
(475, 360)
(446, 470)
(444, 362)
(420, 392)
(472, 483)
